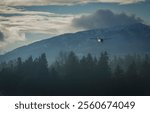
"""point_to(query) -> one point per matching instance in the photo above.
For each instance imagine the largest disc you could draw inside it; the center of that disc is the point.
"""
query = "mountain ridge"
(128, 39)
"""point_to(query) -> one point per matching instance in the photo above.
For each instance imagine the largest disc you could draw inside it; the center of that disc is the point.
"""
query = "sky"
(26, 21)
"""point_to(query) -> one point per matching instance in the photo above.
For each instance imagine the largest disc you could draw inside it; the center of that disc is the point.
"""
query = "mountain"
(129, 39)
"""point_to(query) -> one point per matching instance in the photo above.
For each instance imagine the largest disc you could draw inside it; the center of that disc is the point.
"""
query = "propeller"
(100, 40)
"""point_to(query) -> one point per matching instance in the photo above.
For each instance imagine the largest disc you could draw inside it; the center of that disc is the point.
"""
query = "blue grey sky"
(23, 22)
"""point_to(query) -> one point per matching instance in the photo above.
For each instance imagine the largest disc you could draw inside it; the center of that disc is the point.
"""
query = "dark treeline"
(71, 75)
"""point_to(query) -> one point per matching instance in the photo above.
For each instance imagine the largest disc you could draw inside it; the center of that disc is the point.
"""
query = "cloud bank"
(1, 36)
(60, 2)
(13, 28)
(104, 19)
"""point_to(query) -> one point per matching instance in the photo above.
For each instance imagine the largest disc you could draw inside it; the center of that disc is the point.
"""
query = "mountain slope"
(129, 39)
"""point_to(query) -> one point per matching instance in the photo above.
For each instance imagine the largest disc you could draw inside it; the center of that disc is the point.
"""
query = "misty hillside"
(129, 39)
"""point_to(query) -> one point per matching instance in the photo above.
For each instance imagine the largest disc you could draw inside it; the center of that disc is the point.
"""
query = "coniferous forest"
(74, 75)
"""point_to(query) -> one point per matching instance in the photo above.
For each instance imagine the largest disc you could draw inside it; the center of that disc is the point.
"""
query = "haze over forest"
(52, 47)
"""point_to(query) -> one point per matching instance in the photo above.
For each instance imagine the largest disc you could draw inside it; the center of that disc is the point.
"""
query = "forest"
(71, 75)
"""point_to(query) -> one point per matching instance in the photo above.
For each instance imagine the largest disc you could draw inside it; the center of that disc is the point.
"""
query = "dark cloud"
(1, 36)
(60, 2)
(11, 15)
(104, 19)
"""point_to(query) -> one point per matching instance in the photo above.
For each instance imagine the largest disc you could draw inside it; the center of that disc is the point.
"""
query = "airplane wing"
(106, 38)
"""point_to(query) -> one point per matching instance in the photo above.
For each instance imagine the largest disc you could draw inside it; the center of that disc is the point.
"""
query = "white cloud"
(59, 2)
(104, 19)
(121, 1)
(14, 27)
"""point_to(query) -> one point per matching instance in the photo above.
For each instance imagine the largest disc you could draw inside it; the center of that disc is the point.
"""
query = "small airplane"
(100, 40)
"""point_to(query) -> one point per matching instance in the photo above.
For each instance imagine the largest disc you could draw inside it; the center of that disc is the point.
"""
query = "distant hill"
(129, 39)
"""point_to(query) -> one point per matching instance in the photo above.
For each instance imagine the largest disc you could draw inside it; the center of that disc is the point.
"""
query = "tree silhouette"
(145, 67)
(103, 65)
(132, 71)
(87, 66)
(73, 75)
(43, 65)
(72, 65)
(119, 73)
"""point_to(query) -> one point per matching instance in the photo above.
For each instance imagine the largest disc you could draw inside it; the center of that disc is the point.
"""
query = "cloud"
(104, 19)
(60, 2)
(14, 28)
(1, 36)
(17, 26)
(32, 21)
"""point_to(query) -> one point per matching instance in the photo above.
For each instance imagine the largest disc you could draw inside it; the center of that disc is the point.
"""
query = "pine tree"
(72, 65)
(103, 65)
(118, 73)
(145, 68)
(19, 62)
(54, 74)
(19, 65)
(43, 65)
(28, 67)
(87, 66)
(132, 71)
